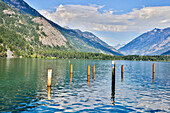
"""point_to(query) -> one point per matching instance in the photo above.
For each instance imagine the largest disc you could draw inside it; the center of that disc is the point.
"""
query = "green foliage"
(57, 54)
(37, 27)
(144, 58)
(12, 40)
(43, 33)
(1, 21)
(1, 41)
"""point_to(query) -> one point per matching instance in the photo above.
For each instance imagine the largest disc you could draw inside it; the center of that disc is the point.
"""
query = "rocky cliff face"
(154, 42)
(43, 30)
(50, 35)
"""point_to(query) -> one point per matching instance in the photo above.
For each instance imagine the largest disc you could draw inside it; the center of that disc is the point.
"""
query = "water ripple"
(25, 89)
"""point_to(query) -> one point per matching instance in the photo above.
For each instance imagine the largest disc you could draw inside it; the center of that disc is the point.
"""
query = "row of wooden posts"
(71, 74)
(88, 74)
(122, 71)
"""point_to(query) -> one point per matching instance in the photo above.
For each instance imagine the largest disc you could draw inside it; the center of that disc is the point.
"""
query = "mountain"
(87, 42)
(118, 46)
(154, 42)
(74, 38)
(166, 53)
(26, 34)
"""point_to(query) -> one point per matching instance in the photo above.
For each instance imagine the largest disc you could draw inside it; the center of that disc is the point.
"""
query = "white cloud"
(90, 18)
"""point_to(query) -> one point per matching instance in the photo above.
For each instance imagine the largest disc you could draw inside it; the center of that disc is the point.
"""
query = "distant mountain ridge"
(154, 42)
(166, 53)
(22, 7)
(80, 41)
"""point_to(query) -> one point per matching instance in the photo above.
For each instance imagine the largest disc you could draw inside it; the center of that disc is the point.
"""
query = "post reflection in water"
(113, 95)
(23, 86)
(71, 77)
(113, 86)
(49, 93)
(93, 77)
(153, 77)
(88, 83)
(122, 70)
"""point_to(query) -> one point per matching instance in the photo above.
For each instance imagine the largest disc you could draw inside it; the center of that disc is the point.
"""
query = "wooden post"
(113, 75)
(93, 72)
(153, 72)
(113, 63)
(71, 72)
(122, 73)
(49, 77)
(88, 74)
(153, 67)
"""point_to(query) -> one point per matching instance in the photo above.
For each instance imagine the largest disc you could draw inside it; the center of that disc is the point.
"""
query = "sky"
(113, 21)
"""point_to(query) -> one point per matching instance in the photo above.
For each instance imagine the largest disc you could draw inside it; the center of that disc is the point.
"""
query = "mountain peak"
(155, 30)
(66, 27)
(154, 42)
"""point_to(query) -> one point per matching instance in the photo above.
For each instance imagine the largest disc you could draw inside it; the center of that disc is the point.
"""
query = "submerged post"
(49, 77)
(153, 72)
(88, 74)
(71, 72)
(93, 72)
(122, 70)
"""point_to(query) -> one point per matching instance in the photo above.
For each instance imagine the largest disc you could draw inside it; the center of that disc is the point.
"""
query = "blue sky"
(114, 21)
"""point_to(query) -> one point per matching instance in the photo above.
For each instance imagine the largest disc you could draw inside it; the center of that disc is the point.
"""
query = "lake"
(23, 86)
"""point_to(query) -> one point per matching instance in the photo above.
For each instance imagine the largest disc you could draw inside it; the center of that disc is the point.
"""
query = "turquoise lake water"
(23, 86)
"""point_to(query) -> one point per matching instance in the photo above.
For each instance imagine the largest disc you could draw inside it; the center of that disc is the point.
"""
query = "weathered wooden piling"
(93, 72)
(153, 67)
(113, 75)
(71, 69)
(49, 77)
(71, 72)
(88, 74)
(153, 72)
(113, 63)
(122, 70)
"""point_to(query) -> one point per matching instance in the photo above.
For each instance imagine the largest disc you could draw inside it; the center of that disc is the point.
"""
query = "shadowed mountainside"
(154, 42)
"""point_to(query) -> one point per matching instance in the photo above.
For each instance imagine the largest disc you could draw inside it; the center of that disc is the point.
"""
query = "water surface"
(23, 86)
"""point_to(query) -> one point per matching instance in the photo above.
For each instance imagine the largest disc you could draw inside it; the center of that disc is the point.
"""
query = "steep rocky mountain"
(154, 42)
(25, 34)
(166, 53)
(80, 41)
